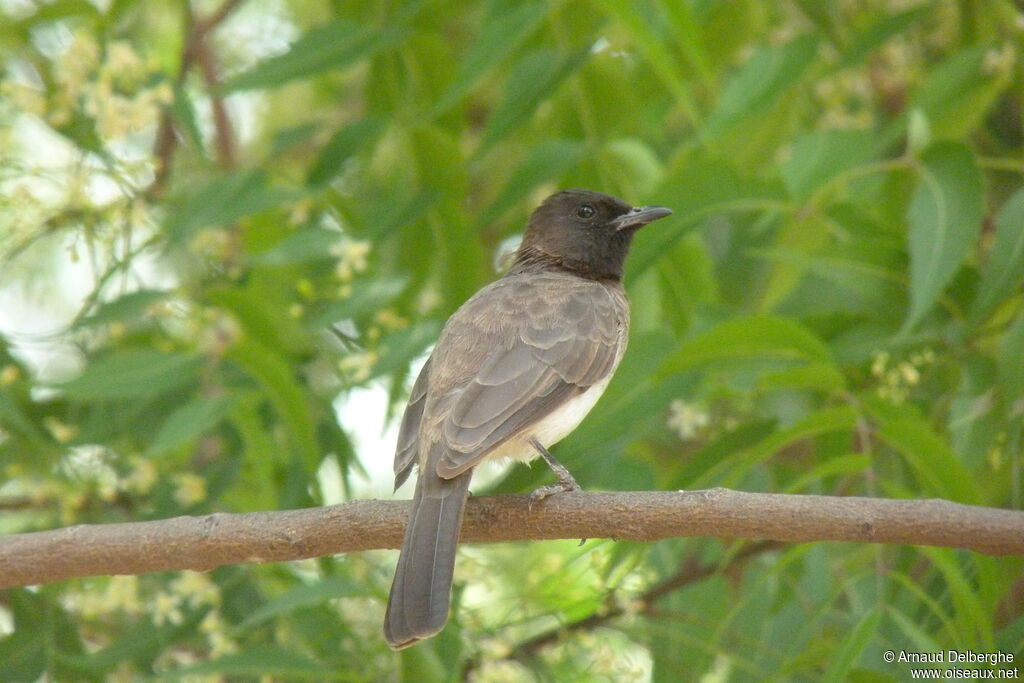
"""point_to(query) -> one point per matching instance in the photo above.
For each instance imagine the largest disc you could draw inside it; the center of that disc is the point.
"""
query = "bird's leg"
(565, 479)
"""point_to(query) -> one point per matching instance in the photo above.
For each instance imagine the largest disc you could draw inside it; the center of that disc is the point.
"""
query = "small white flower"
(356, 367)
(352, 257)
(166, 609)
(686, 419)
(189, 488)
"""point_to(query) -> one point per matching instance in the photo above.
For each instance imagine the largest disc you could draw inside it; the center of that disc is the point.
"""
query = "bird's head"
(585, 232)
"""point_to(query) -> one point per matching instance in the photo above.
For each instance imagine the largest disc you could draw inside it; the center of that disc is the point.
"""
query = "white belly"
(553, 428)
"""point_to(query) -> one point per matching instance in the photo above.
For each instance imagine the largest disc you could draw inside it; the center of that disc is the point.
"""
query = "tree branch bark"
(203, 543)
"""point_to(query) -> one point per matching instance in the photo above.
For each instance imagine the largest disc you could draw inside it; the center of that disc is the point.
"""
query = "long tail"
(422, 589)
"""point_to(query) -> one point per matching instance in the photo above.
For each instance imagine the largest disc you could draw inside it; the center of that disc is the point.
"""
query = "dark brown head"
(584, 232)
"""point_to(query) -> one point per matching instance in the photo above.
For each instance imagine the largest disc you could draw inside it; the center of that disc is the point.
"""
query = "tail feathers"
(421, 592)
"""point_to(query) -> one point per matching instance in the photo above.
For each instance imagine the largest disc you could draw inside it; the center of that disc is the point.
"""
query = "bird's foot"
(566, 482)
(543, 492)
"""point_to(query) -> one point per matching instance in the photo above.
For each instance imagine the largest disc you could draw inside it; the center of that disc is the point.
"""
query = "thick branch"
(202, 543)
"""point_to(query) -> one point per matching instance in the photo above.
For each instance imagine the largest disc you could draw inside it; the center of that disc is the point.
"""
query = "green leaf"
(133, 374)
(833, 467)
(842, 661)
(960, 582)
(546, 162)
(855, 276)
(331, 46)
(399, 349)
(262, 662)
(129, 307)
(224, 201)
(865, 42)
(815, 375)
(637, 161)
(342, 145)
(258, 487)
(688, 35)
(287, 139)
(16, 421)
(973, 420)
(81, 130)
(533, 78)
(25, 651)
(423, 665)
(929, 456)
(144, 640)
(820, 156)
(663, 58)
(802, 234)
(188, 423)
(303, 596)
(504, 27)
(286, 395)
(368, 296)
(440, 160)
(945, 219)
(305, 244)
(60, 10)
(1005, 269)
(185, 116)
(824, 421)
(958, 93)
(718, 451)
(257, 305)
(760, 82)
(700, 186)
(823, 16)
(1011, 361)
(755, 337)
(912, 629)
(380, 218)
(930, 608)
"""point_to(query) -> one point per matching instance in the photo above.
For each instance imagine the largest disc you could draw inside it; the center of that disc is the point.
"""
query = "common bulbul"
(515, 369)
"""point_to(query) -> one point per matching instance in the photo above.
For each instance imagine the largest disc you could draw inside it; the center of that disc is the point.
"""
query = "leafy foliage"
(223, 222)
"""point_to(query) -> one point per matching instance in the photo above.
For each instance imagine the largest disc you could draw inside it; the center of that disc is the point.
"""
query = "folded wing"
(571, 339)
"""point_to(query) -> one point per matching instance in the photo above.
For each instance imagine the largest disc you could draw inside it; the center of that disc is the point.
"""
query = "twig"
(194, 47)
(224, 140)
(203, 543)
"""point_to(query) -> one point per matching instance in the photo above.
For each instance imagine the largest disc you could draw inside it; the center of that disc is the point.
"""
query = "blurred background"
(230, 232)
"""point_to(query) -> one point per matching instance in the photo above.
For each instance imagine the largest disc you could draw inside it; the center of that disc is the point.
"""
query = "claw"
(566, 482)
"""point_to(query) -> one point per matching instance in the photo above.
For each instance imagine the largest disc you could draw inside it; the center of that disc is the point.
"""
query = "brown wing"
(537, 342)
(408, 433)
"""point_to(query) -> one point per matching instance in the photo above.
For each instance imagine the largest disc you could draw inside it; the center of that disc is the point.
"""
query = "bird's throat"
(533, 260)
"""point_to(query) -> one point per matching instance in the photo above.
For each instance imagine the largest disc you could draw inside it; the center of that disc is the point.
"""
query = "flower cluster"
(896, 378)
(846, 100)
(113, 89)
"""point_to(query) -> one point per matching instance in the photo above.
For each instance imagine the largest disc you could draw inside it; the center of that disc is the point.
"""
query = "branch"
(224, 141)
(203, 543)
(194, 47)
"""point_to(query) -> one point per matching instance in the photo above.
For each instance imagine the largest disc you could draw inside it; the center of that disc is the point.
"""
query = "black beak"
(640, 216)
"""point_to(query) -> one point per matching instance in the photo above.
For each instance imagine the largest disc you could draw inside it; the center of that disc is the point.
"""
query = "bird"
(514, 370)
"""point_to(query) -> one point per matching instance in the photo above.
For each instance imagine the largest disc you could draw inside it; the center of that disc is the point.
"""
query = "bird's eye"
(585, 211)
